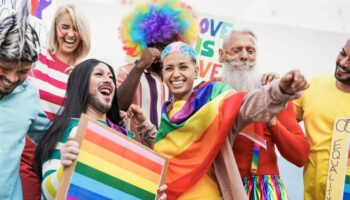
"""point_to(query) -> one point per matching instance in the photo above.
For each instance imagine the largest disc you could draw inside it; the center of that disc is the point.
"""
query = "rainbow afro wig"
(157, 22)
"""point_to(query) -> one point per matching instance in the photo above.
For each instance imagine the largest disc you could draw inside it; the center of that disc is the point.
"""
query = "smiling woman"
(205, 117)
(68, 43)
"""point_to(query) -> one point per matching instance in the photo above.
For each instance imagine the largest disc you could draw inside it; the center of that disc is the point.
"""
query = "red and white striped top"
(50, 79)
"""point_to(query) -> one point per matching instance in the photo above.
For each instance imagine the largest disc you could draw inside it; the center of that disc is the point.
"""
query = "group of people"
(219, 136)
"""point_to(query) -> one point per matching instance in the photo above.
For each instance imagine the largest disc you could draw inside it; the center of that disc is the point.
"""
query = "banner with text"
(338, 181)
(212, 31)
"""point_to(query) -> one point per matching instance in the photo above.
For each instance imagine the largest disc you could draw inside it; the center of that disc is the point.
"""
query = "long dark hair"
(75, 103)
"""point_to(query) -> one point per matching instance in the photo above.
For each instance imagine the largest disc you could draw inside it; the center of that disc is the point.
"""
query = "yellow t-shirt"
(205, 188)
(318, 107)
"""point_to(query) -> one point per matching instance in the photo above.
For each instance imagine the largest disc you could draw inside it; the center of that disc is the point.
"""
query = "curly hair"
(156, 22)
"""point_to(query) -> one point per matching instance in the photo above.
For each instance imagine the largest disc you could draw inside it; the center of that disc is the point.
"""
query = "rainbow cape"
(192, 137)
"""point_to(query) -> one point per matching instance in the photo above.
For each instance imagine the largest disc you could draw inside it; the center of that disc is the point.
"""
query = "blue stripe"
(346, 196)
(100, 188)
(81, 193)
(346, 188)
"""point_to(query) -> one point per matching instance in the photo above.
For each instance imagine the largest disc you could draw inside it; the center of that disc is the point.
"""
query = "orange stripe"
(122, 151)
(119, 161)
(208, 141)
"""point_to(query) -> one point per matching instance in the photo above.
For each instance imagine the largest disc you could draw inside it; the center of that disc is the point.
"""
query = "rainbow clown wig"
(157, 22)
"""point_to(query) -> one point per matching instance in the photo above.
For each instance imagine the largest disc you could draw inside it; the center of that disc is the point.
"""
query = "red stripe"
(50, 115)
(49, 79)
(55, 64)
(54, 99)
(122, 151)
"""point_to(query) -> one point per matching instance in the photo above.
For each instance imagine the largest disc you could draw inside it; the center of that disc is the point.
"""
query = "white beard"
(241, 76)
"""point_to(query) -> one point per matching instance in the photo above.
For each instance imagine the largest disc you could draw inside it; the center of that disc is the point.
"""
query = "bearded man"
(254, 146)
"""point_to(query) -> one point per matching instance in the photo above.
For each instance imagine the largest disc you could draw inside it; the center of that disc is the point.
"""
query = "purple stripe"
(117, 127)
(277, 186)
(154, 98)
(197, 100)
(183, 113)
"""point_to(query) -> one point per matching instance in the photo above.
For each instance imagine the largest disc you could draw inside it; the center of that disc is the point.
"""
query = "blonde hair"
(81, 25)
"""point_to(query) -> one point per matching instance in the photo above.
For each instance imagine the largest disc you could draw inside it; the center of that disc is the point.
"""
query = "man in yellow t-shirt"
(327, 98)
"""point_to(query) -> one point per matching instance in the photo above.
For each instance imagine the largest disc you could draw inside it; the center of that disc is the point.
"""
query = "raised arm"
(265, 103)
(128, 82)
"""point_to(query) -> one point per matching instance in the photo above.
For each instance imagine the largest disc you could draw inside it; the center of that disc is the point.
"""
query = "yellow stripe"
(49, 187)
(60, 173)
(180, 139)
(116, 171)
(348, 171)
(119, 161)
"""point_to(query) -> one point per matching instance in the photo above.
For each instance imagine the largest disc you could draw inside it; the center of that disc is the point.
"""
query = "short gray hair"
(238, 31)
(18, 39)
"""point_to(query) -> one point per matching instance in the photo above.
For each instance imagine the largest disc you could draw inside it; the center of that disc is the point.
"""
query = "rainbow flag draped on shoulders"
(192, 137)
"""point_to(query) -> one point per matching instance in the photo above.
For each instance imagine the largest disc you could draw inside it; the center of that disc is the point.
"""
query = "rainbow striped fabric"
(346, 192)
(265, 187)
(111, 166)
(191, 138)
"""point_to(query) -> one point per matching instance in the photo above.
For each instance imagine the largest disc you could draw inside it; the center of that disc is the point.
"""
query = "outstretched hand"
(293, 82)
(136, 114)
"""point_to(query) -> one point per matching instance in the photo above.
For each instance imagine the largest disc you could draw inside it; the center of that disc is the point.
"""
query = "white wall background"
(291, 34)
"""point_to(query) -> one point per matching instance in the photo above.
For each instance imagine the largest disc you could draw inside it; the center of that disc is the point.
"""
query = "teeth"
(177, 82)
(69, 41)
(6, 83)
(106, 90)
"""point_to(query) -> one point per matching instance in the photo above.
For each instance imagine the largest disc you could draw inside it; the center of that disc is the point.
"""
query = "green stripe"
(347, 179)
(218, 89)
(166, 127)
(113, 182)
(47, 173)
(56, 154)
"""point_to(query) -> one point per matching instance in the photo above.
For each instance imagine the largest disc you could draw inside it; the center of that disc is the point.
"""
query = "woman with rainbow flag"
(195, 125)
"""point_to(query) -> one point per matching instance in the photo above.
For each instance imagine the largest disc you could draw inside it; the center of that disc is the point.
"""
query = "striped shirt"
(150, 95)
(51, 81)
(52, 169)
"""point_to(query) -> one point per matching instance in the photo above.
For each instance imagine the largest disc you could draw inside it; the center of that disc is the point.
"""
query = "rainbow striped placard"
(111, 166)
(346, 192)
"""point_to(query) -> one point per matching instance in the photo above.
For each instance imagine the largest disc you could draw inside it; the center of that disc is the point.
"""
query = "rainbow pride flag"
(346, 192)
(192, 137)
(111, 166)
